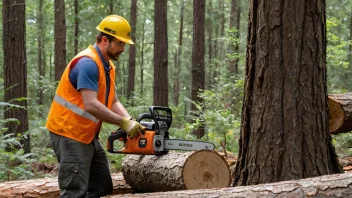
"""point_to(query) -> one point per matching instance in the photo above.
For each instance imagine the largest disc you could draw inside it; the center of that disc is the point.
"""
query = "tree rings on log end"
(340, 113)
(206, 169)
(336, 115)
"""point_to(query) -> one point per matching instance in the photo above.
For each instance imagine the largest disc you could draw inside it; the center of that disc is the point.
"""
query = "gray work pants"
(83, 168)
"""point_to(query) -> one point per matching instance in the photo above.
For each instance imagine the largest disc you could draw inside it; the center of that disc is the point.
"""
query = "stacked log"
(338, 185)
(340, 113)
(48, 187)
(176, 171)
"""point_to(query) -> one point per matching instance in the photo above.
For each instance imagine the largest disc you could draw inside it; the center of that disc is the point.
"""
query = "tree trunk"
(76, 27)
(234, 26)
(284, 130)
(60, 39)
(350, 46)
(198, 54)
(40, 95)
(209, 29)
(176, 171)
(178, 59)
(15, 69)
(132, 55)
(340, 113)
(339, 185)
(48, 187)
(111, 6)
(160, 54)
(142, 57)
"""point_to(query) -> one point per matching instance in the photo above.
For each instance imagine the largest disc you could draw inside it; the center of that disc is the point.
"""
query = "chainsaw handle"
(119, 134)
(144, 116)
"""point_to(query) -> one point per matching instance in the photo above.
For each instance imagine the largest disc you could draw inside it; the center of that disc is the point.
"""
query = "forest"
(201, 69)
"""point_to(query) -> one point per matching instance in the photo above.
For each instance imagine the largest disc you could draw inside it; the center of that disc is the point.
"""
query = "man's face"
(115, 48)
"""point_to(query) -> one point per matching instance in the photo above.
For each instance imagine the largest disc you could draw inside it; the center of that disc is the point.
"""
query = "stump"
(340, 113)
(176, 171)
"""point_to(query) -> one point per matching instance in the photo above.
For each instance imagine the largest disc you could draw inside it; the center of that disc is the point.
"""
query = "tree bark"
(40, 95)
(76, 26)
(48, 187)
(339, 185)
(60, 38)
(234, 26)
(340, 113)
(178, 59)
(15, 69)
(176, 171)
(284, 130)
(160, 54)
(132, 55)
(198, 54)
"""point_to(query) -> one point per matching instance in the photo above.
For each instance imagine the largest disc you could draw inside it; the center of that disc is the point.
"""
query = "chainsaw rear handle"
(120, 135)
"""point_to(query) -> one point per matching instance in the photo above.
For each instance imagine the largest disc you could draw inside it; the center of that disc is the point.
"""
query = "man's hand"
(131, 127)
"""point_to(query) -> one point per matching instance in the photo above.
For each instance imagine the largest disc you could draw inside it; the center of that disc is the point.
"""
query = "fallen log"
(340, 113)
(176, 171)
(338, 185)
(48, 187)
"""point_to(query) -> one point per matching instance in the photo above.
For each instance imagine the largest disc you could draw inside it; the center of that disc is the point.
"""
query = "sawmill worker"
(85, 98)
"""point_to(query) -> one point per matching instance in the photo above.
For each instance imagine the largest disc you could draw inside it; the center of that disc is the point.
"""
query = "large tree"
(15, 68)
(160, 53)
(284, 129)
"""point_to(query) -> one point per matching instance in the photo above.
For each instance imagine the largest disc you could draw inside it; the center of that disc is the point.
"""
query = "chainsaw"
(155, 138)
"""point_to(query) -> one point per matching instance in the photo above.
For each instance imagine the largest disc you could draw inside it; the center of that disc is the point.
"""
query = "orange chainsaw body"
(142, 144)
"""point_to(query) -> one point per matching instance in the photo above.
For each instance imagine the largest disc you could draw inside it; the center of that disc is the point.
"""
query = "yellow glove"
(131, 127)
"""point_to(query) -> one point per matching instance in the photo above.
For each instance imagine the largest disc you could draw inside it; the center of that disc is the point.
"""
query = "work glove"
(131, 127)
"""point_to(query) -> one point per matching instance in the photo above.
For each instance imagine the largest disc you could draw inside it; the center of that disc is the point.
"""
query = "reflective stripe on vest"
(75, 108)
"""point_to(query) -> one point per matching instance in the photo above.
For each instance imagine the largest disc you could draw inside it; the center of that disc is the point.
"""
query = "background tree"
(132, 49)
(198, 53)
(15, 69)
(178, 59)
(76, 27)
(160, 53)
(234, 36)
(284, 131)
(60, 38)
(41, 64)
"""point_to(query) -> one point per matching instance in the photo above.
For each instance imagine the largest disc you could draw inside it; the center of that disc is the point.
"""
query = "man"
(85, 98)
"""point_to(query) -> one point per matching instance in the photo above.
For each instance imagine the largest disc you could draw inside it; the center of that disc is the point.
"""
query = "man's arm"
(119, 109)
(98, 110)
(101, 112)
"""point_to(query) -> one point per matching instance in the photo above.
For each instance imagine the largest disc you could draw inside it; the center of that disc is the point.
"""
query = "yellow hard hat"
(117, 27)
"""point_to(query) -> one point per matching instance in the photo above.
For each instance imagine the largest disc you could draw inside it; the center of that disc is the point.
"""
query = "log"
(340, 113)
(176, 171)
(48, 187)
(338, 185)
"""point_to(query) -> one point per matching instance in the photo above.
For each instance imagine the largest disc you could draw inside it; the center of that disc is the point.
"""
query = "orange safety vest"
(67, 116)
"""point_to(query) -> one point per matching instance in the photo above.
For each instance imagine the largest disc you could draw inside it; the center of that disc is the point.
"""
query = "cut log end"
(336, 115)
(212, 171)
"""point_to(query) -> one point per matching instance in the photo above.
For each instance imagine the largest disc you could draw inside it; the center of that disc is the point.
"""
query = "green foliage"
(343, 144)
(16, 165)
